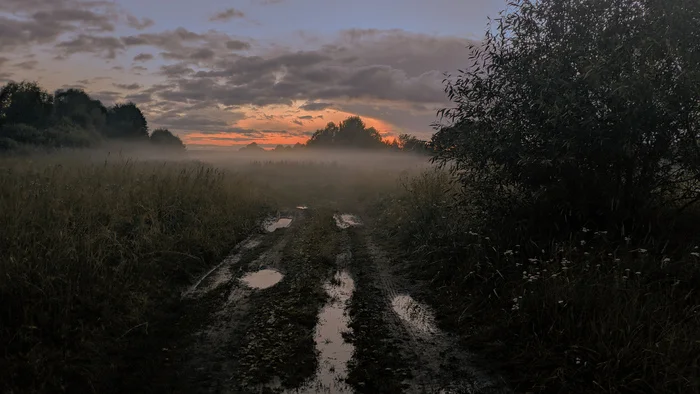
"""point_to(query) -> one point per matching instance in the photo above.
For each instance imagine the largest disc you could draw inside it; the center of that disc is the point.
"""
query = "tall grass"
(89, 251)
(586, 312)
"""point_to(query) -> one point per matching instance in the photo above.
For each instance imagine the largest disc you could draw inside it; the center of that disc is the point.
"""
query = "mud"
(345, 220)
(333, 350)
(414, 313)
(262, 279)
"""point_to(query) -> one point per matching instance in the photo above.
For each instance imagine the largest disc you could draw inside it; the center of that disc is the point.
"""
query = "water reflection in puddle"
(274, 224)
(346, 220)
(414, 313)
(334, 352)
(262, 279)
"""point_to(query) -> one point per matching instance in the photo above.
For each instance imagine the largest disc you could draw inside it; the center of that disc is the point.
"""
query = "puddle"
(262, 279)
(346, 220)
(302, 207)
(414, 313)
(334, 352)
(273, 224)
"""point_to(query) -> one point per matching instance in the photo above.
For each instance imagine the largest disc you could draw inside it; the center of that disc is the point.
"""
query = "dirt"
(309, 304)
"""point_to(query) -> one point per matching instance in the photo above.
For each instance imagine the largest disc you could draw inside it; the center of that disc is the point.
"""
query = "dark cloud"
(133, 86)
(26, 65)
(137, 24)
(175, 70)
(227, 15)
(139, 68)
(43, 22)
(236, 45)
(142, 57)
(139, 98)
(107, 46)
(202, 54)
(107, 97)
(299, 122)
(315, 106)
(306, 117)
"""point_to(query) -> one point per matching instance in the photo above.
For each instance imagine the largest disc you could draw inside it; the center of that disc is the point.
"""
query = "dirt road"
(310, 304)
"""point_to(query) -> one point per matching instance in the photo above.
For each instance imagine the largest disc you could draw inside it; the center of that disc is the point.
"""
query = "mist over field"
(282, 196)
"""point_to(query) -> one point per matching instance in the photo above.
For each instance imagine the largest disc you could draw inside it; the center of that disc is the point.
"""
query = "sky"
(228, 73)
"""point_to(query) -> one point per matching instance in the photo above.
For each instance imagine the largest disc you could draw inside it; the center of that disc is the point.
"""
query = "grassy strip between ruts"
(377, 365)
(90, 252)
(277, 338)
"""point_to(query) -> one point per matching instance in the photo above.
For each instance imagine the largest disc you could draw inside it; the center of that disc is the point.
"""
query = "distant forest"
(32, 117)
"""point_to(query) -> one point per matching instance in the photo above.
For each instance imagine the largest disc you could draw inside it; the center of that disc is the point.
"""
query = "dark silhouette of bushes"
(31, 117)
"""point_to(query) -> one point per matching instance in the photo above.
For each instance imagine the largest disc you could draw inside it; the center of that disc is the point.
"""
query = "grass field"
(94, 249)
(91, 250)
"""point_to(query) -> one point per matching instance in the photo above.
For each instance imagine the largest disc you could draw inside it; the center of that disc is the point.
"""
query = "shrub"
(579, 110)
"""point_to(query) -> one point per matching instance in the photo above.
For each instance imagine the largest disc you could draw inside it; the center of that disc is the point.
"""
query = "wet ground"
(310, 304)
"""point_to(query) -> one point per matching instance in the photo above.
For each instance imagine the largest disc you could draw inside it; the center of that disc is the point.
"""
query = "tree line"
(31, 116)
(352, 133)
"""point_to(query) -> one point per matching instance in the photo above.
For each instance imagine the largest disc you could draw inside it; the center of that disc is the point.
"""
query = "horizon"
(270, 72)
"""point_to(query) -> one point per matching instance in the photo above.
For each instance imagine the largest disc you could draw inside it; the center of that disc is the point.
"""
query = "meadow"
(96, 246)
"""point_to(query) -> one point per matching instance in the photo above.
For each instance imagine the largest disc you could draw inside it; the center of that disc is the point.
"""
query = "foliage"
(583, 110)
(25, 103)
(411, 143)
(31, 117)
(252, 147)
(80, 109)
(350, 133)
(164, 138)
(91, 251)
(126, 121)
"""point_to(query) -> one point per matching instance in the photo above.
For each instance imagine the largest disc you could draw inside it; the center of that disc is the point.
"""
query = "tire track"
(441, 367)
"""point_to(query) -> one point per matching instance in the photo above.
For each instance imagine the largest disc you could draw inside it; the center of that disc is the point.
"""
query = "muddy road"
(311, 304)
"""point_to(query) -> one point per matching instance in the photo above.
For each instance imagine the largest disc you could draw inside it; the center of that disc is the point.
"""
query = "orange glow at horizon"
(294, 126)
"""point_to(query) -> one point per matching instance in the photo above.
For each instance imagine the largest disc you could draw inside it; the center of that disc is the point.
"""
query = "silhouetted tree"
(165, 139)
(410, 143)
(25, 103)
(350, 133)
(252, 147)
(587, 109)
(126, 121)
(79, 108)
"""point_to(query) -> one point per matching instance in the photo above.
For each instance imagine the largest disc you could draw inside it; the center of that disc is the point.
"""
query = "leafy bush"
(579, 110)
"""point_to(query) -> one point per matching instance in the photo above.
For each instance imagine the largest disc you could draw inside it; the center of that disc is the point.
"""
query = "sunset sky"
(220, 72)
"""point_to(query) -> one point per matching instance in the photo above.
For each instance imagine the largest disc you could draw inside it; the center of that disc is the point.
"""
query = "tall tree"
(350, 133)
(25, 103)
(590, 108)
(126, 121)
(165, 139)
(78, 107)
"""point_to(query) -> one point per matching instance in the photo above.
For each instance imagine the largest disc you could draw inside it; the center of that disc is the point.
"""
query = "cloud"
(227, 15)
(133, 86)
(137, 24)
(106, 46)
(26, 65)
(306, 117)
(43, 22)
(142, 57)
(268, 2)
(236, 45)
(316, 106)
